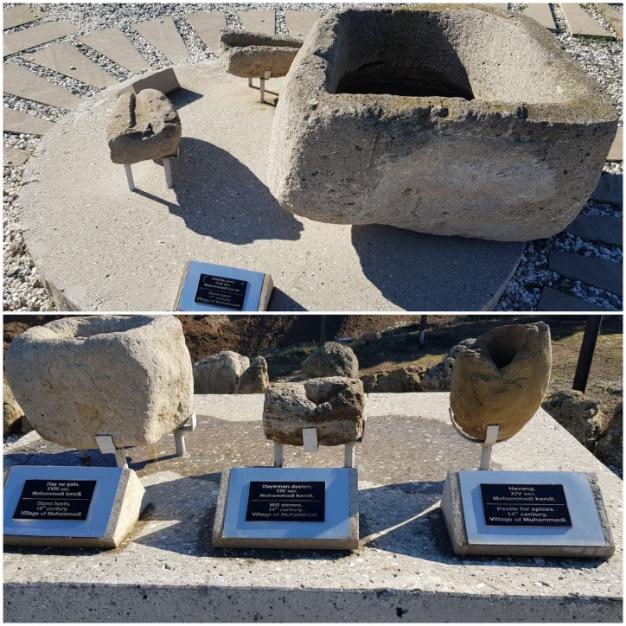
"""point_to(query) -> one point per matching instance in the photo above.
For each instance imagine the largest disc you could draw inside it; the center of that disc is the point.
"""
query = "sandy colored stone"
(332, 359)
(400, 380)
(12, 412)
(143, 126)
(219, 373)
(445, 131)
(255, 379)
(502, 379)
(127, 376)
(250, 55)
(610, 448)
(334, 406)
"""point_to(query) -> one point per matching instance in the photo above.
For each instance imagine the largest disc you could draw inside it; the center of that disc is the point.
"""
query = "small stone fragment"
(332, 359)
(219, 373)
(255, 379)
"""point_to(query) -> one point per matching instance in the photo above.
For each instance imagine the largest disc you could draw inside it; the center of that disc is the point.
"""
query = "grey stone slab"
(614, 16)
(21, 82)
(21, 14)
(16, 121)
(259, 21)
(113, 44)
(70, 61)
(161, 80)
(602, 228)
(208, 26)
(300, 23)
(227, 218)
(405, 569)
(555, 300)
(610, 189)
(36, 35)
(14, 156)
(541, 13)
(616, 153)
(580, 23)
(593, 271)
(164, 36)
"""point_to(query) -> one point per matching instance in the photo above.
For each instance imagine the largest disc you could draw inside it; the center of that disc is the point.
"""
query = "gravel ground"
(23, 289)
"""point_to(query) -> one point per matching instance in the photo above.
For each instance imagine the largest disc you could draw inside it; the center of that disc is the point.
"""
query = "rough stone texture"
(12, 412)
(143, 126)
(502, 379)
(430, 123)
(332, 359)
(219, 373)
(580, 414)
(439, 377)
(334, 406)
(255, 379)
(402, 379)
(76, 377)
(610, 448)
(405, 571)
(250, 55)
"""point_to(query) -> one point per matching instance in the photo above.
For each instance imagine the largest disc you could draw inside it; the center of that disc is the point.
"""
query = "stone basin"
(443, 119)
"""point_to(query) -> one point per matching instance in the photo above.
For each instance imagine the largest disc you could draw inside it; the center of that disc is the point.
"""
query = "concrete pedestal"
(405, 569)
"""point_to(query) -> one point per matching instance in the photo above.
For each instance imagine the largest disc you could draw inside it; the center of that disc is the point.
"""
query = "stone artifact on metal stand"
(497, 386)
(303, 507)
(104, 382)
(144, 126)
(256, 55)
(412, 116)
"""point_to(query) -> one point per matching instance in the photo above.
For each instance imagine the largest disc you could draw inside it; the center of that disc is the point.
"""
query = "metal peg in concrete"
(129, 177)
(179, 434)
(491, 437)
(349, 455)
(279, 454)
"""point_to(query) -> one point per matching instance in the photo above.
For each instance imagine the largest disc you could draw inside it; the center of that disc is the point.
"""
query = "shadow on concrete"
(182, 97)
(457, 274)
(280, 301)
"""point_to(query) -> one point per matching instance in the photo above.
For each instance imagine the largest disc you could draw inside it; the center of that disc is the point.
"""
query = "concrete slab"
(616, 153)
(19, 81)
(164, 36)
(16, 121)
(300, 23)
(113, 44)
(404, 571)
(259, 21)
(220, 211)
(36, 35)
(610, 189)
(593, 271)
(614, 16)
(541, 13)
(581, 24)
(70, 61)
(208, 26)
(14, 156)
(598, 228)
(21, 14)
(555, 300)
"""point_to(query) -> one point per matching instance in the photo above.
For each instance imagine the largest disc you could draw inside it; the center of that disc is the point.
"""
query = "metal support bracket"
(188, 426)
(262, 89)
(106, 445)
(279, 454)
(309, 439)
(491, 437)
(129, 177)
(349, 455)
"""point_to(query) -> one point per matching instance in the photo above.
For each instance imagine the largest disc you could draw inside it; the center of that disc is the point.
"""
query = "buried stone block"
(423, 118)
(128, 377)
(333, 406)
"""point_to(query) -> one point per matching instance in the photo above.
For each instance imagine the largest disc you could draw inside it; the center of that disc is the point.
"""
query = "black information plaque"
(286, 501)
(229, 293)
(525, 505)
(55, 500)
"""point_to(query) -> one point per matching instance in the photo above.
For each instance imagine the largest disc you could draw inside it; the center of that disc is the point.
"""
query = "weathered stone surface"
(402, 379)
(439, 377)
(219, 373)
(255, 379)
(143, 126)
(12, 412)
(610, 448)
(440, 133)
(76, 377)
(332, 359)
(502, 379)
(580, 414)
(250, 55)
(334, 406)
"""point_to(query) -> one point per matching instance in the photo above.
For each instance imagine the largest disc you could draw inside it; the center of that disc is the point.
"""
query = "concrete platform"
(404, 571)
(101, 247)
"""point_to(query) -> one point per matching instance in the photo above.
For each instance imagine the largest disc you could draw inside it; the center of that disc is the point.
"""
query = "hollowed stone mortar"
(129, 377)
(501, 379)
(334, 406)
(443, 119)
